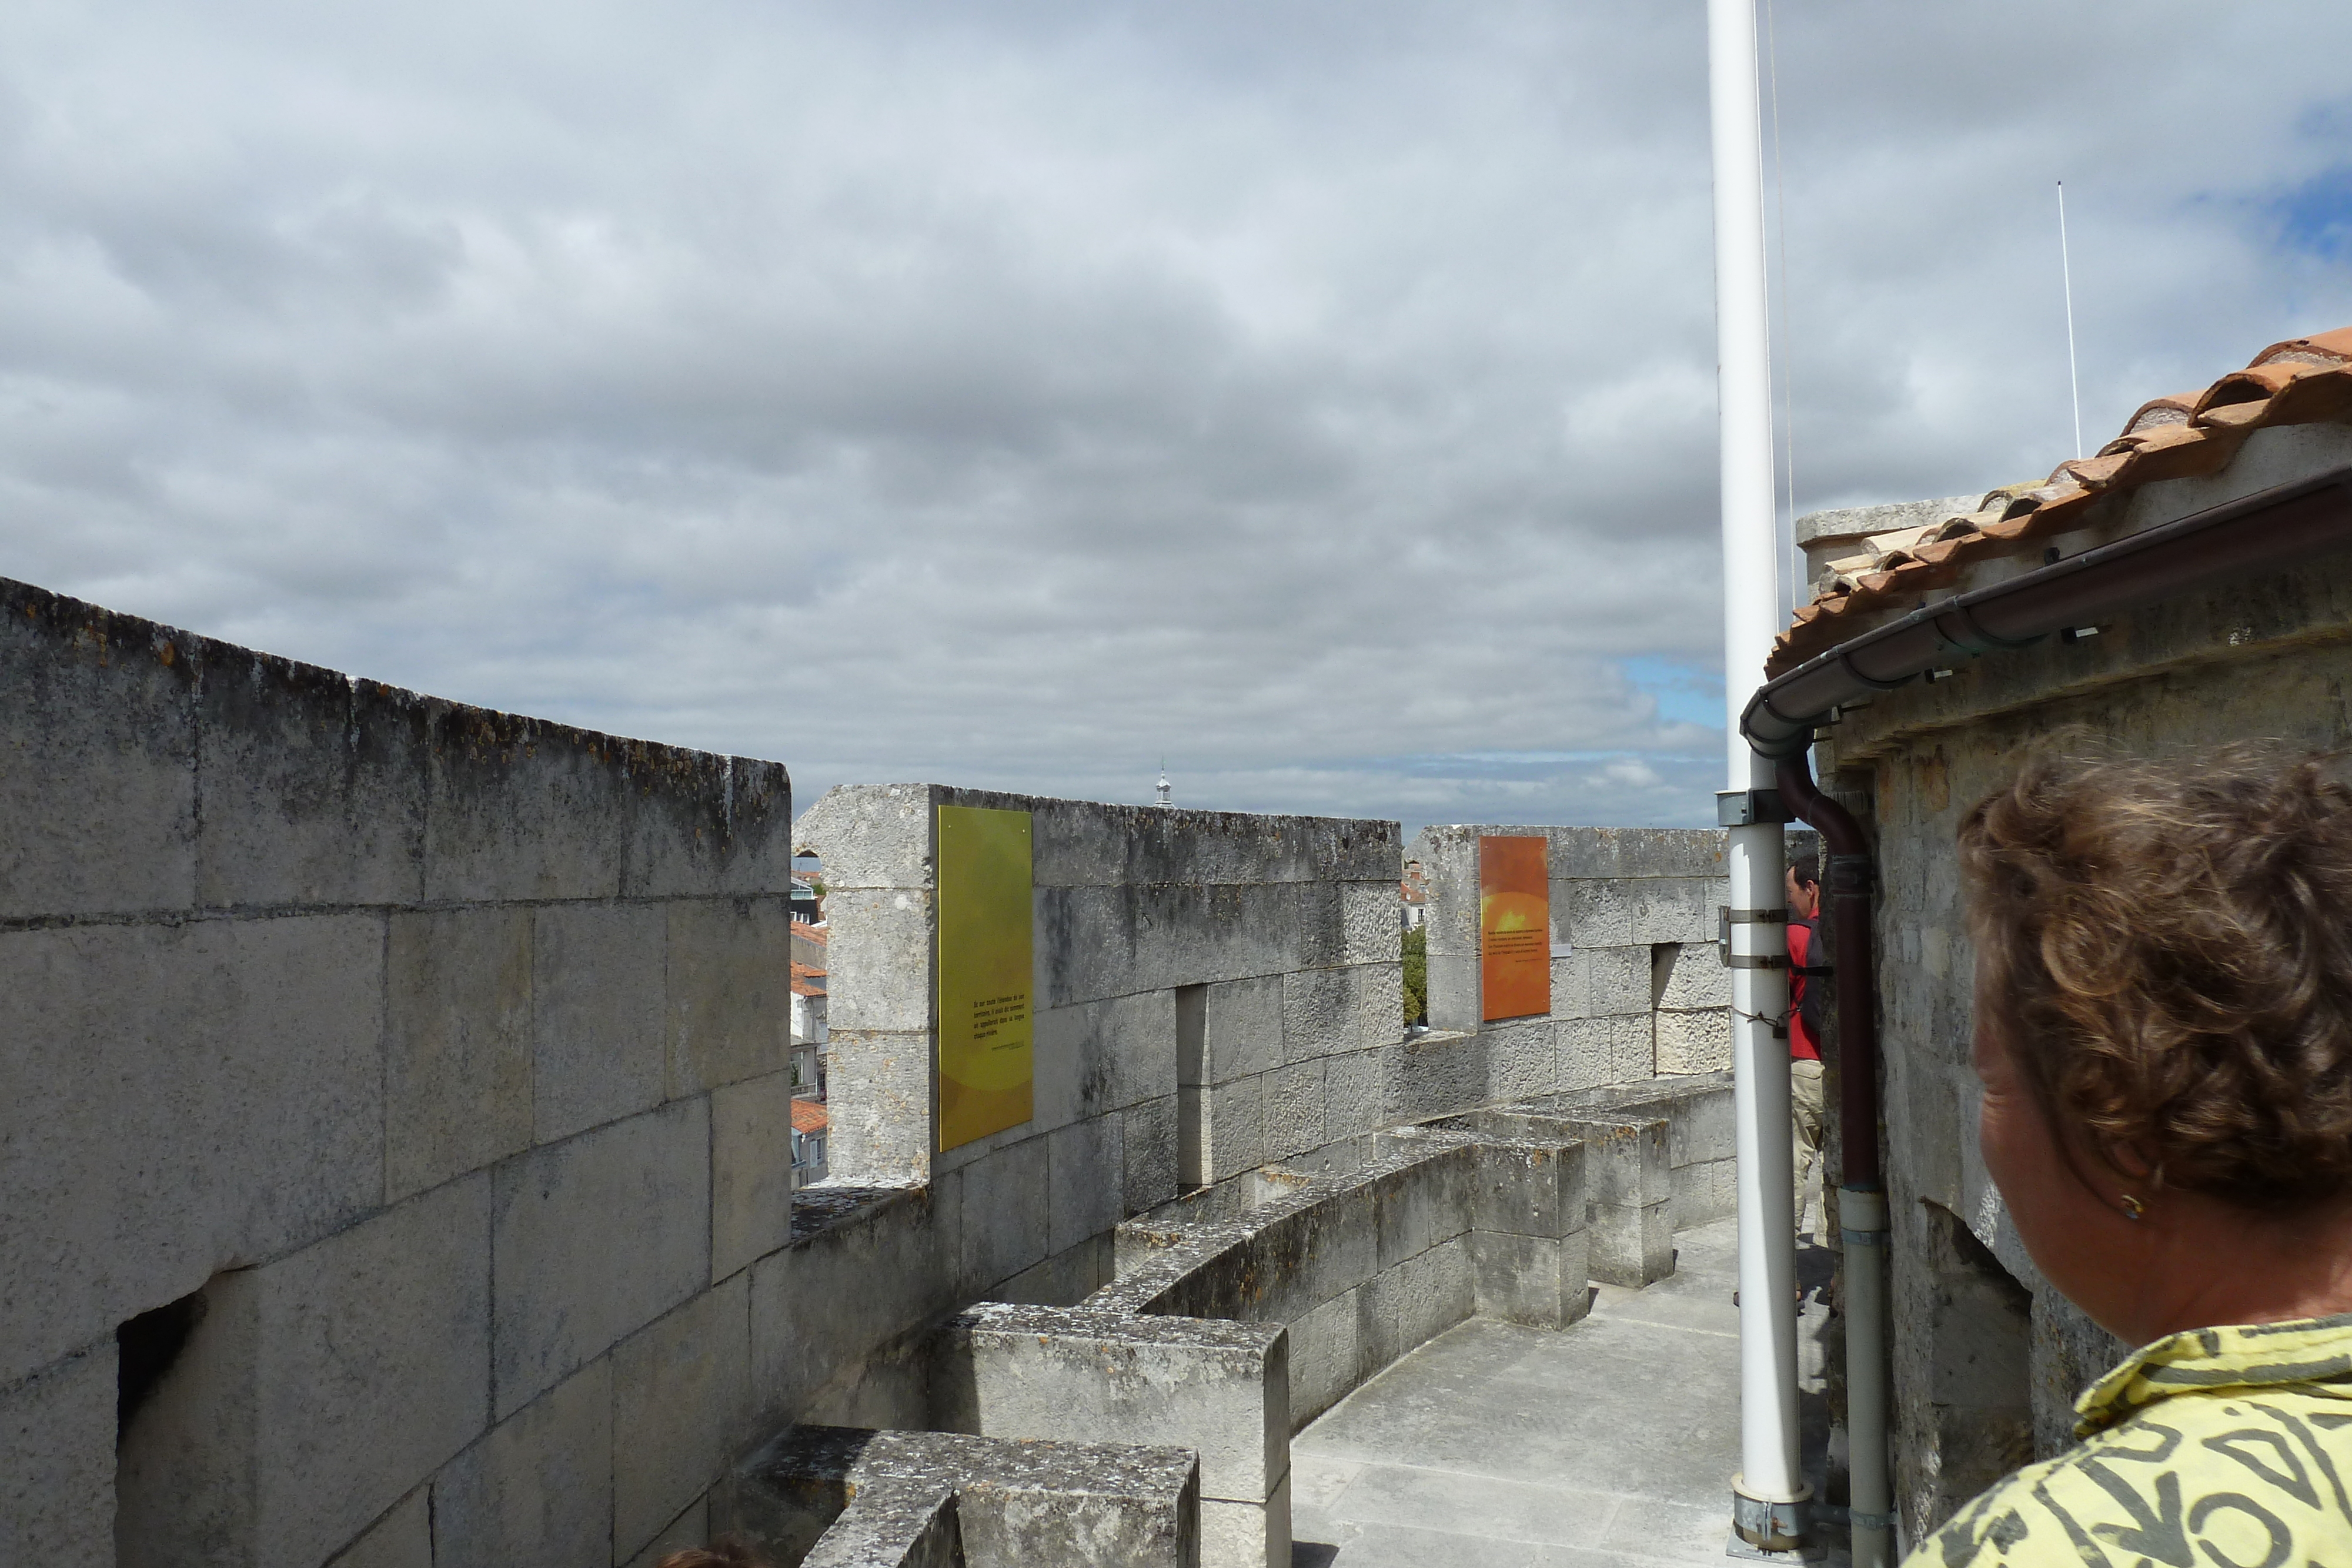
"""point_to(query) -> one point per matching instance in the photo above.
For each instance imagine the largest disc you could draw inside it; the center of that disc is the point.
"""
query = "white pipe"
(1770, 1473)
(1863, 1216)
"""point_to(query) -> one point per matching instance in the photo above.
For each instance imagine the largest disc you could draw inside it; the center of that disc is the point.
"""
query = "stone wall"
(1637, 989)
(1987, 1358)
(364, 1027)
(1213, 992)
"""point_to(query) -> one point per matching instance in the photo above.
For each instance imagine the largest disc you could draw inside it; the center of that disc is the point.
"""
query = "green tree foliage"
(1416, 975)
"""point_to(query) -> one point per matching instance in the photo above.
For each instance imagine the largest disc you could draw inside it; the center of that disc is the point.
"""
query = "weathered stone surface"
(1246, 1534)
(896, 1257)
(1318, 1009)
(1529, 1189)
(122, 1200)
(729, 1009)
(1676, 909)
(596, 981)
(1148, 1147)
(880, 1092)
(1093, 1057)
(1631, 1246)
(1221, 1389)
(98, 748)
(871, 836)
(1617, 981)
(1693, 976)
(1005, 1214)
(1413, 1302)
(702, 824)
(1422, 1204)
(457, 1044)
(1294, 1109)
(1371, 930)
(536, 1491)
(1521, 1059)
(1327, 1360)
(1233, 1127)
(879, 973)
(311, 784)
(691, 1528)
(1086, 1166)
(1705, 1191)
(1632, 1052)
(560, 1305)
(316, 1391)
(1597, 914)
(1243, 1034)
(519, 808)
(1352, 1093)
(56, 1462)
(1695, 1042)
(1454, 991)
(750, 1171)
(681, 1406)
(403, 1538)
(1433, 1074)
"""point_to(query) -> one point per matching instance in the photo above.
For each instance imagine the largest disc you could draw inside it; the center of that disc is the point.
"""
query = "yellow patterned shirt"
(2226, 1447)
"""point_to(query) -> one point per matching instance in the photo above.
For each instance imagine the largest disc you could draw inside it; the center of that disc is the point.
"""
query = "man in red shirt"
(1804, 891)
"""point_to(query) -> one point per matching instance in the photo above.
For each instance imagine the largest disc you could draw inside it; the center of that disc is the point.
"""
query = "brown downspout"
(1847, 887)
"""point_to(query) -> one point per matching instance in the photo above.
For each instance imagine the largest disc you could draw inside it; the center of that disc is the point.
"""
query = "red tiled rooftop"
(809, 1116)
(2305, 381)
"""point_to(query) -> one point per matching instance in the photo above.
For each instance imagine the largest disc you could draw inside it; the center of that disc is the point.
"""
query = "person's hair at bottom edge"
(2172, 937)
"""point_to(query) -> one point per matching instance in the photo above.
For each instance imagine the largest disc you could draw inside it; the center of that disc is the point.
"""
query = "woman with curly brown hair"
(2164, 1033)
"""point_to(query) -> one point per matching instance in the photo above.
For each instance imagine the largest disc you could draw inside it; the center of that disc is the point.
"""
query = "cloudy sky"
(1316, 393)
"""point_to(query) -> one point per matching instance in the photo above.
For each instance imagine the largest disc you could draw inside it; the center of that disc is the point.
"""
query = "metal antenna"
(2066, 274)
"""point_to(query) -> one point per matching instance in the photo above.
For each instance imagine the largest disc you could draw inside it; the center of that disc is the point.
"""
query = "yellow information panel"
(984, 972)
(1514, 927)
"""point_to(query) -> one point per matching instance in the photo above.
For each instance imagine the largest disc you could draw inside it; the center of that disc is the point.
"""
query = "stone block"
(1377, 1001)
(596, 1015)
(1422, 1203)
(729, 1000)
(100, 736)
(560, 1305)
(181, 1099)
(895, 1257)
(1625, 1162)
(316, 1391)
(1695, 1042)
(1676, 909)
(1325, 1358)
(1148, 1148)
(1318, 1009)
(1371, 921)
(1433, 1074)
(750, 1171)
(56, 1462)
(519, 807)
(1407, 1306)
(1294, 1109)
(1631, 1246)
(1093, 1057)
(1570, 985)
(1085, 1170)
(1583, 1048)
(1705, 1190)
(312, 784)
(870, 836)
(1598, 913)
(1246, 1534)
(701, 824)
(690, 1529)
(1616, 981)
(457, 1044)
(1232, 1128)
(682, 1407)
(1521, 1059)
(880, 1100)
(1005, 1215)
(1243, 1034)
(1690, 974)
(1352, 1093)
(879, 947)
(1702, 1125)
(1633, 1053)
(1453, 992)
(1221, 1389)
(536, 1491)
(1636, 851)
(1528, 1189)
(1065, 1279)
(403, 1538)
(1538, 1280)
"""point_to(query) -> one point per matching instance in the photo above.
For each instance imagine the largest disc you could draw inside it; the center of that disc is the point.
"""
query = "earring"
(2132, 1206)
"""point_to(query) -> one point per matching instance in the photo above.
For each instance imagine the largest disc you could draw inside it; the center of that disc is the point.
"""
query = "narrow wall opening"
(173, 1454)
(1192, 1050)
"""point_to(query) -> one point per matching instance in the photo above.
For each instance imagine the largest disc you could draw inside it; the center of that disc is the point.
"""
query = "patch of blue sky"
(2316, 216)
(1685, 694)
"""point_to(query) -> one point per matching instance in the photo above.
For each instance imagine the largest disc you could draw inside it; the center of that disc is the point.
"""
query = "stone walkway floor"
(1612, 1442)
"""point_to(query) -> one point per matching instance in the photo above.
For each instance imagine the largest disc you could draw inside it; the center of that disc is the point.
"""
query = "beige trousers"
(1805, 1118)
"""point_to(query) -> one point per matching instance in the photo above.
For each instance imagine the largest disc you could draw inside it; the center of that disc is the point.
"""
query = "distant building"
(1413, 897)
(809, 1124)
(810, 1034)
(808, 904)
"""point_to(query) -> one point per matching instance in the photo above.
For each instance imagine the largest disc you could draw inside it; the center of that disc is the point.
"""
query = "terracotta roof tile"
(810, 1115)
(2302, 381)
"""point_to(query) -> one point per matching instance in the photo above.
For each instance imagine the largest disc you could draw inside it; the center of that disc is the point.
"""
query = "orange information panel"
(1513, 928)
